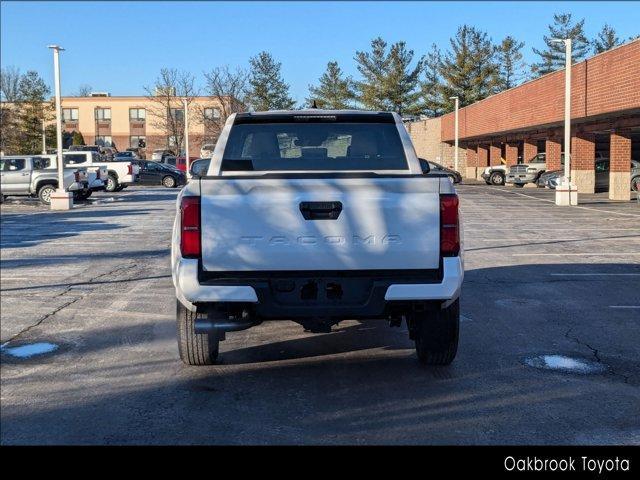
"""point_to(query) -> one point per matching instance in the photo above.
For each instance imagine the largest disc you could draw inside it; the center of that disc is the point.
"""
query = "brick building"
(525, 120)
(125, 121)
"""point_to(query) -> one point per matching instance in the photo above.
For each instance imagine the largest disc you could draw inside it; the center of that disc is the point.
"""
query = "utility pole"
(566, 192)
(60, 199)
(455, 153)
(186, 137)
(44, 138)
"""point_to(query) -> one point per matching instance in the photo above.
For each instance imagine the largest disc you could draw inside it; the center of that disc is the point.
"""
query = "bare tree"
(84, 90)
(166, 112)
(9, 84)
(227, 88)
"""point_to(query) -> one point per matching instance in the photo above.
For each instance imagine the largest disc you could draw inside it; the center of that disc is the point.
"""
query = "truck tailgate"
(259, 224)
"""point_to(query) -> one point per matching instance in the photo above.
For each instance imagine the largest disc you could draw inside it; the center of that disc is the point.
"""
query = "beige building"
(126, 122)
(427, 140)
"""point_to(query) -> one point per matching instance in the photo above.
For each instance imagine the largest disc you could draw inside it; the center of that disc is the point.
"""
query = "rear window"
(74, 158)
(313, 146)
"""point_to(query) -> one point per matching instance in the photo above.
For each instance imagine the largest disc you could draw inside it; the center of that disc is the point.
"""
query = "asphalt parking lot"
(540, 280)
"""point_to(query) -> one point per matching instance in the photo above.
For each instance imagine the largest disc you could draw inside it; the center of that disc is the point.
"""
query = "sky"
(119, 47)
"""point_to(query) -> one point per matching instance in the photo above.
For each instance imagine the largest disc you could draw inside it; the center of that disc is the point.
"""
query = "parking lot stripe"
(624, 306)
(594, 254)
(595, 274)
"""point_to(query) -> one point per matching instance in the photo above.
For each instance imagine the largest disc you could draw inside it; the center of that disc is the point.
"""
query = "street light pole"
(61, 200)
(455, 153)
(567, 193)
(186, 136)
(44, 138)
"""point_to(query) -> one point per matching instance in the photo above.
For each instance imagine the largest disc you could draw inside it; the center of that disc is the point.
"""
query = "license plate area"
(307, 291)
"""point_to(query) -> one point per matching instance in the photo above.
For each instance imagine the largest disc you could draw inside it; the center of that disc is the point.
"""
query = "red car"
(180, 162)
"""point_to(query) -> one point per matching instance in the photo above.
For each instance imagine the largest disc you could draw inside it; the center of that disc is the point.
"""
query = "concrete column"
(482, 159)
(554, 151)
(495, 155)
(472, 163)
(511, 153)
(530, 150)
(620, 165)
(583, 162)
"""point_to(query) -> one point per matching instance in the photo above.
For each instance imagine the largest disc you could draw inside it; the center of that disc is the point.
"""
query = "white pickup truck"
(317, 216)
(119, 174)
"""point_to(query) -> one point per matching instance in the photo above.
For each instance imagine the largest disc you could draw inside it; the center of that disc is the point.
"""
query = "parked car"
(495, 174)
(120, 173)
(199, 167)
(179, 162)
(96, 175)
(530, 172)
(108, 153)
(161, 153)
(330, 235)
(207, 150)
(26, 175)
(551, 179)
(156, 173)
(126, 155)
(440, 169)
(137, 151)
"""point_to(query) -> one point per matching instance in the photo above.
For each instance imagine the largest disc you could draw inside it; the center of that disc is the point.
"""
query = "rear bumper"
(360, 297)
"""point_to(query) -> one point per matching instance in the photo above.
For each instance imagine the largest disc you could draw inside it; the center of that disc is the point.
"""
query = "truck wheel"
(436, 335)
(169, 182)
(44, 193)
(497, 178)
(195, 349)
(112, 183)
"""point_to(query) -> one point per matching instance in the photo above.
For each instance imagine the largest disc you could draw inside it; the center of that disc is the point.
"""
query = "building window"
(138, 141)
(211, 113)
(177, 114)
(104, 141)
(69, 114)
(138, 114)
(103, 114)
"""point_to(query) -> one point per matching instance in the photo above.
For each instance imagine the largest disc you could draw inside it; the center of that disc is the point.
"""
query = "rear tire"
(194, 348)
(44, 193)
(169, 182)
(112, 183)
(635, 184)
(436, 335)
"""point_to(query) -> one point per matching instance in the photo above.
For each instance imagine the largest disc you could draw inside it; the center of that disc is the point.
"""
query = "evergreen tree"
(78, 139)
(267, 88)
(389, 81)
(469, 71)
(509, 60)
(31, 110)
(552, 58)
(606, 40)
(333, 91)
(431, 86)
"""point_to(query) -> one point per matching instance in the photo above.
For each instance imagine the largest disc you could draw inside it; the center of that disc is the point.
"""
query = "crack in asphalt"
(67, 290)
(596, 355)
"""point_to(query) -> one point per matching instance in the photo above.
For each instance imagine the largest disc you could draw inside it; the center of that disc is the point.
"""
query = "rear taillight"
(449, 225)
(130, 169)
(190, 227)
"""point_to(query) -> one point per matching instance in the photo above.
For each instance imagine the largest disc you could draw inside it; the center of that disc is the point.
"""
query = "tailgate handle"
(320, 210)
